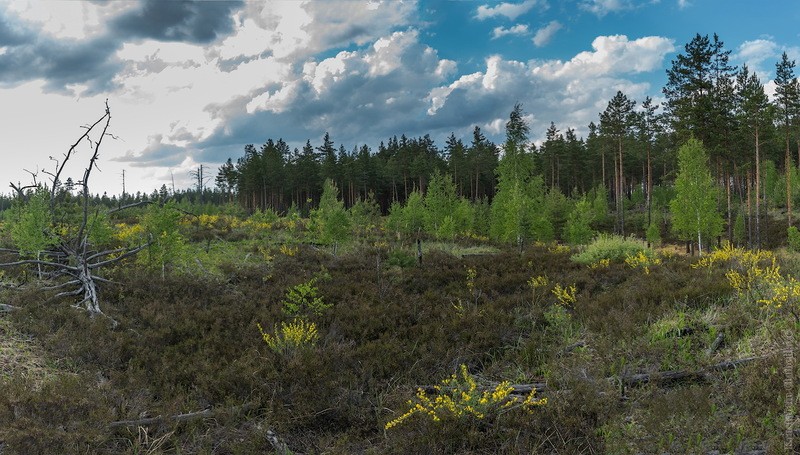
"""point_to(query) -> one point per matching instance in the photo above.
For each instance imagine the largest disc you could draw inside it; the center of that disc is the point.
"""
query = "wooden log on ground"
(675, 376)
(5, 308)
(181, 417)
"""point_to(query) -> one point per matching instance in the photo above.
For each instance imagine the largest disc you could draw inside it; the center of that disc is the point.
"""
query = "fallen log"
(632, 380)
(675, 376)
(205, 413)
(5, 308)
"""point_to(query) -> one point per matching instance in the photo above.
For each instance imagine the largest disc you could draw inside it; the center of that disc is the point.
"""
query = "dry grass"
(20, 355)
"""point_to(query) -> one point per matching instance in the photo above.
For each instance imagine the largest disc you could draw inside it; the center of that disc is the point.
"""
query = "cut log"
(5, 308)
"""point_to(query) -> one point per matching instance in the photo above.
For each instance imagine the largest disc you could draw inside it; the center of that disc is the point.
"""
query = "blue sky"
(191, 83)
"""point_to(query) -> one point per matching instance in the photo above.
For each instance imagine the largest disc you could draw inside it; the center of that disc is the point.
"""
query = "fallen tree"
(67, 260)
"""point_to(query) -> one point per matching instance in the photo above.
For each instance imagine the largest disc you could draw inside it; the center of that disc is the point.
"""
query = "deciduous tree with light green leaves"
(31, 227)
(694, 209)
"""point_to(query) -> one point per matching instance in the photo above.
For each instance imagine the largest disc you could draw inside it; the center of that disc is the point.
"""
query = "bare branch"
(71, 150)
(70, 294)
(130, 206)
(62, 285)
(119, 258)
(39, 262)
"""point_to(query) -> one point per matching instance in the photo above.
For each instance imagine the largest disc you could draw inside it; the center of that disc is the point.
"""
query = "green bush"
(793, 238)
(611, 247)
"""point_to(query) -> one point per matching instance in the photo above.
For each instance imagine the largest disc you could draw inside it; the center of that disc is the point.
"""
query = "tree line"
(630, 148)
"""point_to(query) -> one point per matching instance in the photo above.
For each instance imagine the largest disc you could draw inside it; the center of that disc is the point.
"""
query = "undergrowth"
(329, 372)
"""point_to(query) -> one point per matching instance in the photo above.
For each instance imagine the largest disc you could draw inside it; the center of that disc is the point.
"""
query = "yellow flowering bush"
(290, 338)
(128, 233)
(565, 295)
(458, 397)
(536, 283)
(756, 276)
(642, 261)
(557, 248)
(287, 250)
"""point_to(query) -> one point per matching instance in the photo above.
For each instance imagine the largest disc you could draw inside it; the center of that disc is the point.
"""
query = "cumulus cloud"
(519, 29)
(508, 10)
(603, 7)
(571, 92)
(546, 33)
(614, 54)
(758, 55)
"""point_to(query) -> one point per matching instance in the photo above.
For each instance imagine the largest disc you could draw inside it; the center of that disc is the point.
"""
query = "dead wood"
(186, 417)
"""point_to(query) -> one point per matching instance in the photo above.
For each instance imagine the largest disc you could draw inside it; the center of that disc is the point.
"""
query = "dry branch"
(189, 416)
(675, 376)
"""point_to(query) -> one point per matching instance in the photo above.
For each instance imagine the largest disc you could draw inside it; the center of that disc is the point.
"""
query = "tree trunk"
(788, 183)
(758, 191)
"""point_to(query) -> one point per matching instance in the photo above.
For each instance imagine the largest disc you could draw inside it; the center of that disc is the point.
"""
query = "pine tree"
(754, 115)
(616, 123)
(787, 104)
(694, 209)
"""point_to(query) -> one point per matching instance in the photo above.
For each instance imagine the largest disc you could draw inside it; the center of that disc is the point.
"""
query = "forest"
(629, 292)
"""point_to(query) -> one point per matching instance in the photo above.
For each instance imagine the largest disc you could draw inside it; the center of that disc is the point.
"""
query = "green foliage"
(365, 216)
(409, 218)
(401, 258)
(793, 235)
(600, 204)
(304, 300)
(694, 209)
(653, 234)
(31, 224)
(99, 227)
(609, 247)
(739, 228)
(330, 217)
(578, 230)
(161, 226)
(440, 203)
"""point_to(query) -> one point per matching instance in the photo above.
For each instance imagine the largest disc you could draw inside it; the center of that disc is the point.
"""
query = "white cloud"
(613, 54)
(519, 29)
(682, 4)
(570, 93)
(546, 33)
(757, 53)
(508, 10)
(603, 7)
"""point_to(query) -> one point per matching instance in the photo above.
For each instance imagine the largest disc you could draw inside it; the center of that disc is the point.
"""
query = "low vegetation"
(289, 346)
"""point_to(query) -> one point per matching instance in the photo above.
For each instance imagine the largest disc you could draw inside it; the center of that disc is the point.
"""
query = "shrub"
(611, 247)
(303, 299)
(290, 338)
(458, 397)
(794, 238)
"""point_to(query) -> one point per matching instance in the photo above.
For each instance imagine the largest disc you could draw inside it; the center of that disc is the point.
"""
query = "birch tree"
(694, 209)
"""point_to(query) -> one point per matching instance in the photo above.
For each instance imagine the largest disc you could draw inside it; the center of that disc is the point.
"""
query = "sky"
(191, 83)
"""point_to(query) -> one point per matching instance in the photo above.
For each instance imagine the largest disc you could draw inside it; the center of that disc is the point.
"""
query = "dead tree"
(72, 265)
